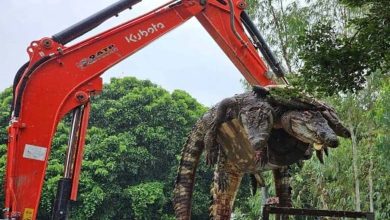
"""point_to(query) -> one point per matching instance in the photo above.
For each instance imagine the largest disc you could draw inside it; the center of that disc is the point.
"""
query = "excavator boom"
(60, 79)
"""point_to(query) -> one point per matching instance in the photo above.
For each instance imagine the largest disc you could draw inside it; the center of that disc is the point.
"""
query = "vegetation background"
(337, 50)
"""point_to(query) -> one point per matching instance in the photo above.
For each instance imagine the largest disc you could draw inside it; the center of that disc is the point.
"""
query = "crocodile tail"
(186, 176)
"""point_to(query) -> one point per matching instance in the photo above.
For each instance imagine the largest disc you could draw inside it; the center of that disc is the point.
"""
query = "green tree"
(282, 23)
(352, 179)
(147, 199)
(337, 48)
(5, 104)
(137, 130)
(339, 61)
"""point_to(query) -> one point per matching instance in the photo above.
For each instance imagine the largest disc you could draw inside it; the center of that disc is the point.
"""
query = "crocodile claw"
(211, 158)
(223, 181)
(272, 201)
(261, 157)
(326, 150)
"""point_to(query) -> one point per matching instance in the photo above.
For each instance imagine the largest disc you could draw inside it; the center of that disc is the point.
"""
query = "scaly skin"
(204, 135)
(223, 200)
(291, 135)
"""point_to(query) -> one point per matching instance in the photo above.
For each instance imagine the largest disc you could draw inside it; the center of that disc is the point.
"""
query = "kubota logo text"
(144, 33)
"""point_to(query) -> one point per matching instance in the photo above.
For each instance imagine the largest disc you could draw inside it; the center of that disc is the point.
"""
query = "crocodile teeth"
(326, 151)
(317, 146)
(320, 156)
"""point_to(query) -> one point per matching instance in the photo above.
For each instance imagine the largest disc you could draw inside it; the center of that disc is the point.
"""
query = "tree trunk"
(264, 195)
(355, 168)
(279, 33)
(370, 182)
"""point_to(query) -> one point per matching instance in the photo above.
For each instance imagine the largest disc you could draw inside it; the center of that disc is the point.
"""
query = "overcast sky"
(186, 58)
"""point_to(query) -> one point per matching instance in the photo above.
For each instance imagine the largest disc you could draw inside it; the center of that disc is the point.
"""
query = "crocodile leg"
(258, 123)
(283, 189)
(219, 117)
(227, 181)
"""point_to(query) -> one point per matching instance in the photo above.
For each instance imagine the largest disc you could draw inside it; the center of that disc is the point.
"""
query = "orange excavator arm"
(60, 79)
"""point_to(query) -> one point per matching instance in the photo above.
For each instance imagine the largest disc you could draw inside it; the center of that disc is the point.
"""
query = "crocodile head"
(298, 133)
(310, 127)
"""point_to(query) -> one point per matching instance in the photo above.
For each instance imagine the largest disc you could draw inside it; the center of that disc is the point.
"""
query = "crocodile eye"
(307, 114)
(311, 127)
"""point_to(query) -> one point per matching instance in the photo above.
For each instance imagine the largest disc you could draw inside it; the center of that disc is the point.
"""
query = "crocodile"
(281, 131)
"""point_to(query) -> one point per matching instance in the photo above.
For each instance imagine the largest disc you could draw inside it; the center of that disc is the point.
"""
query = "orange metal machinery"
(60, 79)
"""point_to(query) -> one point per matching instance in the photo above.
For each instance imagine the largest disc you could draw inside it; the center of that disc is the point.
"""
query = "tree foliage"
(335, 47)
(334, 183)
(331, 64)
(339, 61)
(136, 133)
(332, 45)
(282, 23)
(147, 199)
(338, 49)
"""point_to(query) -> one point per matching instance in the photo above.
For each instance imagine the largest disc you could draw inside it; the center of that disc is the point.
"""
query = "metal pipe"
(72, 142)
(314, 212)
(232, 20)
(92, 21)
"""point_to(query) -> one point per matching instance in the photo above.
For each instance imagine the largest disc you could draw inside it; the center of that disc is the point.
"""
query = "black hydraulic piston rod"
(262, 45)
(61, 202)
(92, 21)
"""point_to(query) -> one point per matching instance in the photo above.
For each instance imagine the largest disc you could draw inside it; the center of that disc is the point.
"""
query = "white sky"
(186, 58)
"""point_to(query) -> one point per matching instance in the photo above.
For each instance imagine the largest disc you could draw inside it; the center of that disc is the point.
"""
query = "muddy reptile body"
(279, 132)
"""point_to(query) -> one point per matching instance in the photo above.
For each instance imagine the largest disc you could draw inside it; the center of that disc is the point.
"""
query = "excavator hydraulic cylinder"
(93, 21)
(275, 65)
(61, 203)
